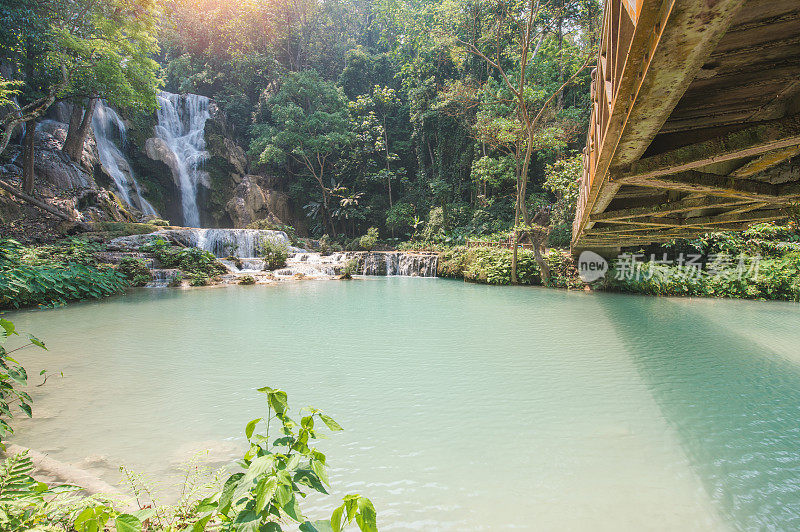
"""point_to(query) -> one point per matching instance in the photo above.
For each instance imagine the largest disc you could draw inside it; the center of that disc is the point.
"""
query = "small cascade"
(181, 125)
(374, 264)
(106, 123)
(242, 243)
(163, 277)
(399, 263)
(314, 265)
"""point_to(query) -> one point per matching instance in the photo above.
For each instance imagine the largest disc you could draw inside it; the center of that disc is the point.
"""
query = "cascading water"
(399, 263)
(242, 243)
(105, 123)
(181, 125)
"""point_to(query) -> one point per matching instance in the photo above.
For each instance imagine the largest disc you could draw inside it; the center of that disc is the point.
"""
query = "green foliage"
(274, 252)
(247, 280)
(54, 274)
(277, 472)
(196, 264)
(774, 278)
(493, 266)
(350, 269)
(13, 377)
(135, 271)
(561, 178)
(401, 217)
(370, 240)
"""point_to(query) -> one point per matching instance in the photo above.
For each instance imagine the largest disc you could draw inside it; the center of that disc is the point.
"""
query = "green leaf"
(200, 525)
(8, 327)
(319, 469)
(265, 490)
(226, 498)
(292, 509)
(367, 518)
(293, 462)
(316, 526)
(36, 341)
(333, 425)
(248, 430)
(127, 523)
(283, 494)
(336, 519)
(247, 521)
(278, 401)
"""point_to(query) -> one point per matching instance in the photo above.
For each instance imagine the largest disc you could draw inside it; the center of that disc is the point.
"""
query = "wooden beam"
(766, 161)
(749, 142)
(702, 221)
(672, 40)
(711, 184)
(691, 32)
(689, 204)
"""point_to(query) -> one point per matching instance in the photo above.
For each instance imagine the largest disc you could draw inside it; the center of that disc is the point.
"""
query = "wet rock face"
(55, 168)
(252, 201)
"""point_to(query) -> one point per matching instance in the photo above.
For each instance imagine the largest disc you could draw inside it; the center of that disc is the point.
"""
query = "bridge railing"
(619, 27)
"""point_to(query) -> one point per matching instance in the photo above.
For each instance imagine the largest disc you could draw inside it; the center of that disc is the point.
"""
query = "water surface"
(465, 407)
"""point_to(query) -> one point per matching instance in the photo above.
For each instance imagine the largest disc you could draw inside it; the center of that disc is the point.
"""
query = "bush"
(493, 266)
(247, 280)
(135, 271)
(776, 278)
(370, 240)
(274, 253)
(53, 275)
(196, 263)
(325, 245)
(350, 269)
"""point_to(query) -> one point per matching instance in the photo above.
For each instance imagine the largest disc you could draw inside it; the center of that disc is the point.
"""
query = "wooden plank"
(748, 142)
(685, 205)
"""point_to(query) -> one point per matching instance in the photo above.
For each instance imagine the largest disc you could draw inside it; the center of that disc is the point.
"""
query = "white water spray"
(105, 121)
(181, 125)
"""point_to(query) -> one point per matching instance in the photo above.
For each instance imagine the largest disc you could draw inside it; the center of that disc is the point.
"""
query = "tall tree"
(528, 28)
(309, 126)
(108, 47)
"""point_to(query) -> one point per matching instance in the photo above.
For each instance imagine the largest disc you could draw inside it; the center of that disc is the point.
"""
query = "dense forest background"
(392, 114)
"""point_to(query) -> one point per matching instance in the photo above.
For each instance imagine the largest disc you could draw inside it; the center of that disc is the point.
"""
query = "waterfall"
(181, 125)
(399, 263)
(105, 123)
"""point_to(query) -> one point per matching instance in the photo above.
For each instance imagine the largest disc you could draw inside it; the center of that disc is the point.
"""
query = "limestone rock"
(157, 150)
(58, 170)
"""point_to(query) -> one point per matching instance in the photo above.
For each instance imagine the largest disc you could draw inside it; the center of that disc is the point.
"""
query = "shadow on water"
(734, 405)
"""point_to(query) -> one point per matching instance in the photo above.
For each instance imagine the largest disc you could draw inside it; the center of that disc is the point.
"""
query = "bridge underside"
(695, 125)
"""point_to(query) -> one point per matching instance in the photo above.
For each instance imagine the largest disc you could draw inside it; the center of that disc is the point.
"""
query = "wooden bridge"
(695, 123)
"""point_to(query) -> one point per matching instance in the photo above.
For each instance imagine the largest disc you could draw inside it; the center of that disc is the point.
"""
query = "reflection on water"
(735, 410)
(465, 407)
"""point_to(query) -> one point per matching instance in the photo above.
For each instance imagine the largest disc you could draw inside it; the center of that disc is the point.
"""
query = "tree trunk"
(544, 268)
(79, 122)
(27, 160)
(514, 279)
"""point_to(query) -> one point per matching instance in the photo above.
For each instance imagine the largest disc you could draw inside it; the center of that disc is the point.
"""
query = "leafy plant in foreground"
(276, 475)
(12, 377)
